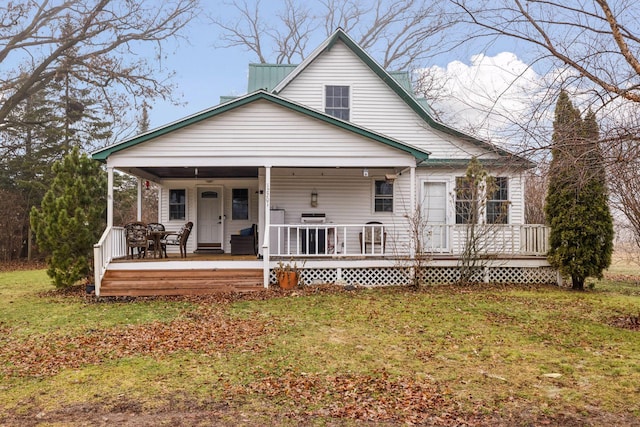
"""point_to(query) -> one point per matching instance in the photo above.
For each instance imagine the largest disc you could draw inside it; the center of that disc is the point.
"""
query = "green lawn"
(511, 355)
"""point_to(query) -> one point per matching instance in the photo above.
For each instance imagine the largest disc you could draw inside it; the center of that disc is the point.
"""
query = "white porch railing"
(375, 240)
(111, 245)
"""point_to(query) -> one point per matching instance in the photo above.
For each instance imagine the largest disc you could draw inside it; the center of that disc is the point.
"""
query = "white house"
(323, 157)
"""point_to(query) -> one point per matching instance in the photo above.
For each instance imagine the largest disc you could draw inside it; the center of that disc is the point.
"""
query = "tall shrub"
(581, 239)
(71, 218)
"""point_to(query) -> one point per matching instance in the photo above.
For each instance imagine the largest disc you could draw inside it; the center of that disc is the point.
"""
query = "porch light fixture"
(314, 199)
(365, 172)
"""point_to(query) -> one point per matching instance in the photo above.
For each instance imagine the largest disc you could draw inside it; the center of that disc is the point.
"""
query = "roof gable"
(398, 82)
(104, 153)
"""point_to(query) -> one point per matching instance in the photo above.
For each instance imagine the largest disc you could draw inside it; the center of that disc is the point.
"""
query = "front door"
(435, 216)
(210, 217)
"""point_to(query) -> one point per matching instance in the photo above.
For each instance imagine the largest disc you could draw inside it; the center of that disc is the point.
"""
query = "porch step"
(179, 282)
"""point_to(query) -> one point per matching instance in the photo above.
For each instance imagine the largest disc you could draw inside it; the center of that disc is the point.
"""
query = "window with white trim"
(240, 203)
(336, 101)
(498, 201)
(464, 200)
(177, 205)
(383, 196)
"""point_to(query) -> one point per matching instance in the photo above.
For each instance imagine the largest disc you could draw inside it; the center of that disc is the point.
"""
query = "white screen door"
(209, 216)
(435, 214)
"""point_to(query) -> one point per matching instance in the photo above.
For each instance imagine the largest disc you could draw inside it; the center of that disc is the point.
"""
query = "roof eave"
(103, 154)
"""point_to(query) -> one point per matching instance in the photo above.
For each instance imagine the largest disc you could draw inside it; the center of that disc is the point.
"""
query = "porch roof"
(104, 153)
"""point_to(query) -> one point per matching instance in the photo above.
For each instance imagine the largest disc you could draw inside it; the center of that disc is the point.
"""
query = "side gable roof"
(394, 83)
(104, 153)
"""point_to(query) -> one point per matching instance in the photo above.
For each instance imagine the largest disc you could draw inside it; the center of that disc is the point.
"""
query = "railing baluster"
(339, 240)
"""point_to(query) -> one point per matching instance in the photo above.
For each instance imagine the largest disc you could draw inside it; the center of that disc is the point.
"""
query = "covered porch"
(513, 254)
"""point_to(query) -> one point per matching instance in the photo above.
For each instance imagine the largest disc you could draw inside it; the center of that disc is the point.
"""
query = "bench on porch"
(246, 242)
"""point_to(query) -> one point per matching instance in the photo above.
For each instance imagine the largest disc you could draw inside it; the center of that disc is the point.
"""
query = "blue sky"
(205, 72)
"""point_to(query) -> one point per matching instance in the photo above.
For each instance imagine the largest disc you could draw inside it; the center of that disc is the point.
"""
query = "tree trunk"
(29, 242)
(577, 283)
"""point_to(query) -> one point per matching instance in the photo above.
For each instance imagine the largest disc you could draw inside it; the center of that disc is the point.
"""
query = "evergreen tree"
(43, 130)
(71, 217)
(581, 239)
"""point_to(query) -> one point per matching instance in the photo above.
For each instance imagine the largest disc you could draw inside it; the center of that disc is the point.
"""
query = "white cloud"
(486, 96)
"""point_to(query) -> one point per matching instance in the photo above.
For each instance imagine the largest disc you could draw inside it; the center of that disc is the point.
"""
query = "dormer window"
(336, 101)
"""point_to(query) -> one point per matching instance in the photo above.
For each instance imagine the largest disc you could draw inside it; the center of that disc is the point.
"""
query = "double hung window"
(464, 201)
(383, 196)
(498, 202)
(177, 205)
(336, 101)
(240, 203)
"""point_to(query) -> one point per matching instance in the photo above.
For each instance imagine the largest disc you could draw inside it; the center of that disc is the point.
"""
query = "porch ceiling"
(203, 172)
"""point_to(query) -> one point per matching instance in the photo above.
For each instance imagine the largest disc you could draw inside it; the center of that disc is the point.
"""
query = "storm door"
(434, 210)
(210, 224)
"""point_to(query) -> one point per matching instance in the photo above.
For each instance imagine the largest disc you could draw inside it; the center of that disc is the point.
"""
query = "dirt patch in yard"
(127, 413)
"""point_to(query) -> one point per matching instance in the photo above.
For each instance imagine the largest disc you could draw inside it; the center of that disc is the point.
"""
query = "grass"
(513, 352)
(29, 306)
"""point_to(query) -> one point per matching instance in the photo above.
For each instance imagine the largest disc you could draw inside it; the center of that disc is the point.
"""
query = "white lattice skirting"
(394, 276)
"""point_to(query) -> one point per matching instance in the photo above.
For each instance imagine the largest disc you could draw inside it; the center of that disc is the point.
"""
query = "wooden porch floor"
(191, 257)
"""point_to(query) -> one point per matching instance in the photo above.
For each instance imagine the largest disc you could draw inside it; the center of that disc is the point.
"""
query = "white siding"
(230, 226)
(257, 134)
(516, 197)
(344, 195)
(373, 104)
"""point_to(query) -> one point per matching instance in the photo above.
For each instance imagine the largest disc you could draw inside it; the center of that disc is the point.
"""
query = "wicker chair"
(136, 235)
(178, 239)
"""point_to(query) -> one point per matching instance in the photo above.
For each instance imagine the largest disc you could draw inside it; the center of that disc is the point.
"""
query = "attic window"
(336, 101)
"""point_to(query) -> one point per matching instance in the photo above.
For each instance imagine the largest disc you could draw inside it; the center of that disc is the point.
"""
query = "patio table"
(157, 236)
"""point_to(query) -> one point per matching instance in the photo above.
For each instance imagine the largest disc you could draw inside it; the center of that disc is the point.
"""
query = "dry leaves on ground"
(207, 330)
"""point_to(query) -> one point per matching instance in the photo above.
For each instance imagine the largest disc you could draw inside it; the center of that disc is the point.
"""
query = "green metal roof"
(104, 153)
(403, 78)
(267, 76)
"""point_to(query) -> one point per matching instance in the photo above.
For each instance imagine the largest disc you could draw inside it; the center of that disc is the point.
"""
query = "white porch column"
(109, 197)
(139, 207)
(413, 205)
(267, 224)
(261, 210)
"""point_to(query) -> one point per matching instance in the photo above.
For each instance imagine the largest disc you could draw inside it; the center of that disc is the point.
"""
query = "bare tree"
(535, 192)
(418, 246)
(596, 41)
(106, 38)
(625, 190)
(592, 50)
(400, 33)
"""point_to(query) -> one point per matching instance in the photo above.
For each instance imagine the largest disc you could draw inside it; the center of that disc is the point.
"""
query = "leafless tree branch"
(102, 36)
